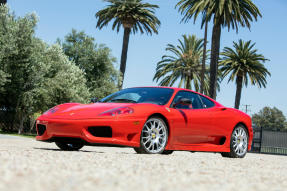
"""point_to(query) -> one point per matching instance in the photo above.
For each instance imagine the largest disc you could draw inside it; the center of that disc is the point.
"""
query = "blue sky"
(58, 17)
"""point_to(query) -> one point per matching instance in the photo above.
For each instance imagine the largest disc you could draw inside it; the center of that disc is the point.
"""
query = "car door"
(197, 119)
(215, 132)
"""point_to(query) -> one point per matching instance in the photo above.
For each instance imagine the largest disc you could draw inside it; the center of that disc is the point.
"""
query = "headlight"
(117, 111)
(51, 111)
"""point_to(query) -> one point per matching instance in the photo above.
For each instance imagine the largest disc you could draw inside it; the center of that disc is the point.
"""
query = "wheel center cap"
(153, 135)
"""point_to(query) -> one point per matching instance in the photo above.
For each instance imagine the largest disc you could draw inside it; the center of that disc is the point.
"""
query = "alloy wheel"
(154, 136)
(239, 141)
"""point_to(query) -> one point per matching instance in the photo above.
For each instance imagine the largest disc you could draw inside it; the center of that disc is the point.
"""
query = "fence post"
(261, 132)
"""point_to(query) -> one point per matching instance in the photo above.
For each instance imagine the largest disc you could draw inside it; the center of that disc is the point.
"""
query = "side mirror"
(94, 100)
(184, 102)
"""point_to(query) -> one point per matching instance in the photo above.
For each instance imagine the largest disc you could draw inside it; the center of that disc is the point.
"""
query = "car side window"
(193, 97)
(207, 103)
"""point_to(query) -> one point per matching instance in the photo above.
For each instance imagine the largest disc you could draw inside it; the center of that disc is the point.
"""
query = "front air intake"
(41, 129)
(101, 131)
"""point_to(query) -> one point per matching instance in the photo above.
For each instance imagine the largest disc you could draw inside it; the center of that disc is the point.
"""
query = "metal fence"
(272, 142)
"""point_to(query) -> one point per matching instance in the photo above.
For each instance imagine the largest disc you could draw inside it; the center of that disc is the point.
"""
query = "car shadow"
(50, 149)
(124, 153)
(84, 151)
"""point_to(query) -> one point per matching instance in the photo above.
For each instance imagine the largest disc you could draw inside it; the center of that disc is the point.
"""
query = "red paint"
(189, 129)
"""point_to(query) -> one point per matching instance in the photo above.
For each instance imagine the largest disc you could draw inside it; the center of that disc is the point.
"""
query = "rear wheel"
(69, 146)
(238, 143)
(154, 137)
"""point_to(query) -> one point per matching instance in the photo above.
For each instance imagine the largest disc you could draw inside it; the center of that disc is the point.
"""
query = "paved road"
(27, 165)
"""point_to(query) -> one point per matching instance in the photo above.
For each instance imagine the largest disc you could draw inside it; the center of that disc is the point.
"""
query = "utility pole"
(246, 108)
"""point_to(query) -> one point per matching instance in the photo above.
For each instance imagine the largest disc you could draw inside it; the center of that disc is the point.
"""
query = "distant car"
(152, 120)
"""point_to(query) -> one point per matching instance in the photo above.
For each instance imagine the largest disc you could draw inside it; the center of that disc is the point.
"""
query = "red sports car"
(152, 120)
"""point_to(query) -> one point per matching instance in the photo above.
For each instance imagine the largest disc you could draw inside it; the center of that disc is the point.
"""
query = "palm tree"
(134, 16)
(224, 13)
(243, 64)
(203, 70)
(183, 66)
(184, 10)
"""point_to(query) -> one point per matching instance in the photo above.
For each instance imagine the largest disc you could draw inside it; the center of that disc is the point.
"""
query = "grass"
(26, 135)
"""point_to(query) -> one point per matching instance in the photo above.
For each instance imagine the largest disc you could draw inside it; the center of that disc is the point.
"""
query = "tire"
(167, 152)
(138, 150)
(238, 143)
(69, 146)
(154, 137)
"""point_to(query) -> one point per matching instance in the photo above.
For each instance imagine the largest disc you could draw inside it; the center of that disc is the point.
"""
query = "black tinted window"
(193, 97)
(207, 103)
(158, 96)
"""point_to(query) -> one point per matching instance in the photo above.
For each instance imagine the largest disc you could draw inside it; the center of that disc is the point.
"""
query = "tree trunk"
(21, 123)
(188, 84)
(203, 59)
(239, 81)
(32, 125)
(126, 39)
(3, 2)
(215, 47)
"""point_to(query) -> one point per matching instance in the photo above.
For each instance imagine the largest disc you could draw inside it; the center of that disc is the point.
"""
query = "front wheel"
(154, 137)
(238, 143)
(167, 152)
(69, 146)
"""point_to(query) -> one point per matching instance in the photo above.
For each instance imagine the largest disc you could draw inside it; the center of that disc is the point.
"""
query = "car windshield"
(159, 96)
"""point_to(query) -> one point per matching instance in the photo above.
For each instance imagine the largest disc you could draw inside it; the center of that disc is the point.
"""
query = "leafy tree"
(184, 65)
(243, 64)
(224, 13)
(270, 119)
(133, 15)
(95, 60)
(55, 80)
(62, 81)
(38, 76)
(15, 59)
(3, 79)
(3, 2)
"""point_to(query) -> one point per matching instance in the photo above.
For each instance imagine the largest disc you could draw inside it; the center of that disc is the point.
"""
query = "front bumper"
(125, 131)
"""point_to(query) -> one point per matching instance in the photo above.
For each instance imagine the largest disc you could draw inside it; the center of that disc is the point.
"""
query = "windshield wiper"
(123, 100)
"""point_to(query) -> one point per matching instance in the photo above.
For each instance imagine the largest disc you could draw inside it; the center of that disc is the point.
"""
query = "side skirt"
(201, 147)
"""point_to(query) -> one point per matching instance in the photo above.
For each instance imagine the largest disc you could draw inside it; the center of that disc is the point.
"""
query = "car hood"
(82, 111)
